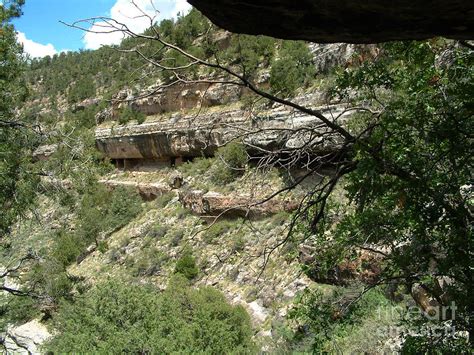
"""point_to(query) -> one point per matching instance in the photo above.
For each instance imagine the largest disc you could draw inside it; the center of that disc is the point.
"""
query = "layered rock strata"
(219, 205)
(279, 131)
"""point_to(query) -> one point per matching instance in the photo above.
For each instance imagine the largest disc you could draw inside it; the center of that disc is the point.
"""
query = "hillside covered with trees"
(192, 190)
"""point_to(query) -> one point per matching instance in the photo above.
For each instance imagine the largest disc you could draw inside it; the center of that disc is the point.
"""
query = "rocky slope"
(236, 236)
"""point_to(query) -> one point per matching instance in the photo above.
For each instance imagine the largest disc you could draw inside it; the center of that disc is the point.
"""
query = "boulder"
(85, 104)
(43, 152)
(26, 339)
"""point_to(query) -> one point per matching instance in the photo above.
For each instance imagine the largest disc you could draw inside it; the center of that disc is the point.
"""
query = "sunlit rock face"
(349, 21)
(194, 120)
(231, 205)
(161, 99)
(279, 130)
(177, 137)
(25, 339)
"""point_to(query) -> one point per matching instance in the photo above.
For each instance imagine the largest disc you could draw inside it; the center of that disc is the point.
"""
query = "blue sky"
(42, 34)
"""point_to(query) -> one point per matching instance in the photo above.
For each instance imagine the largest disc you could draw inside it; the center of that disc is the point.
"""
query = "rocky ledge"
(219, 205)
(210, 203)
(349, 21)
(278, 130)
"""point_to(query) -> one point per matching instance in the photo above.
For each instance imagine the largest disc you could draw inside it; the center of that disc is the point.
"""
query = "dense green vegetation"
(186, 266)
(230, 163)
(293, 69)
(409, 169)
(17, 134)
(118, 317)
(103, 211)
(99, 213)
(338, 324)
(406, 174)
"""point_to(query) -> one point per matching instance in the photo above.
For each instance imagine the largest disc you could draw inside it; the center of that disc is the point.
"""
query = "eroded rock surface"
(217, 204)
(43, 152)
(26, 339)
(158, 99)
(343, 20)
(279, 130)
(148, 191)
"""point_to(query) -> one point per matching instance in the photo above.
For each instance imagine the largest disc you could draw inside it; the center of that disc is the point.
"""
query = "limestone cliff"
(277, 129)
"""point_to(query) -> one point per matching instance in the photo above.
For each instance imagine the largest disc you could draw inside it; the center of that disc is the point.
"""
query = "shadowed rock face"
(351, 21)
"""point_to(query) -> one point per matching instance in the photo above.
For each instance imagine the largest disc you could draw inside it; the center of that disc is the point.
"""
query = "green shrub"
(102, 246)
(16, 310)
(186, 266)
(66, 248)
(92, 214)
(196, 167)
(117, 317)
(176, 236)
(217, 229)
(82, 89)
(249, 52)
(293, 69)
(337, 323)
(157, 231)
(129, 114)
(124, 205)
(102, 211)
(234, 154)
(189, 27)
(181, 212)
(230, 163)
(238, 242)
(163, 200)
(52, 280)
(84, 118)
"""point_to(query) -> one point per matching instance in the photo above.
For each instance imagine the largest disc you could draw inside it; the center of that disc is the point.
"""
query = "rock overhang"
(351, 21)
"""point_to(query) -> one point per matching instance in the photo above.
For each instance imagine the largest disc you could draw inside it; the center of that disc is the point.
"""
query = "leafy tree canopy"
(413, 162)
(17, 139)
(116, 317)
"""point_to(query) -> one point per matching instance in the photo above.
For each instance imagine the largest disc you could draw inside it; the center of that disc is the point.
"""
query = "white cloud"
(124, 11)
(35, 49)
(181, 6)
